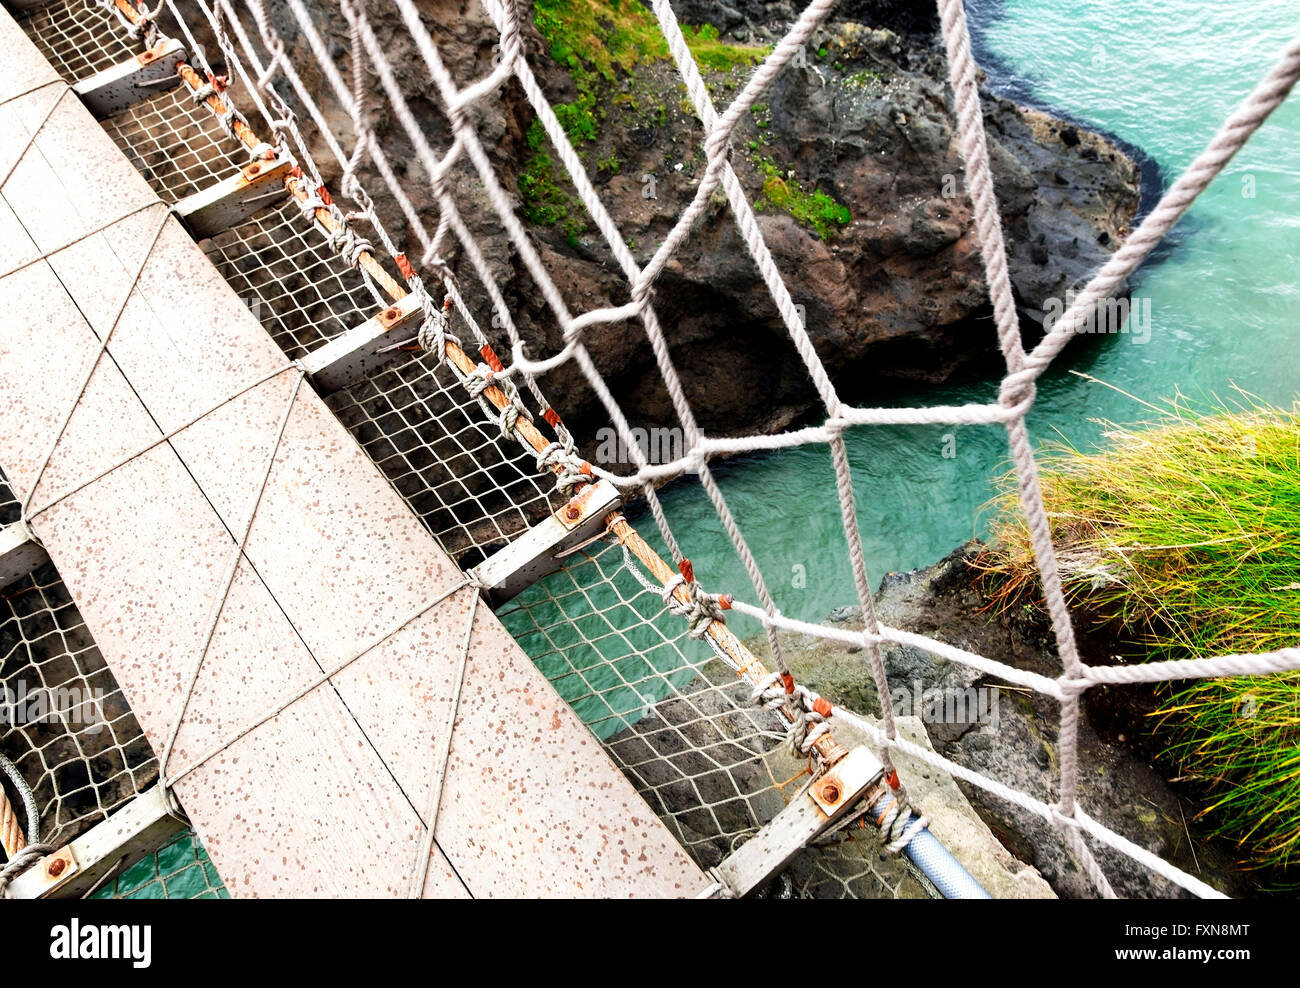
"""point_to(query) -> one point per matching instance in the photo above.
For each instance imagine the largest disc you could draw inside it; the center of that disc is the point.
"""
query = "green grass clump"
(598, 42)
(814, 209)
(1188, 532)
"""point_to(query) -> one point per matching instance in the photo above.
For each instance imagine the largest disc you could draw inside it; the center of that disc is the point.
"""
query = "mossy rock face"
(851, 157)
(850, 165)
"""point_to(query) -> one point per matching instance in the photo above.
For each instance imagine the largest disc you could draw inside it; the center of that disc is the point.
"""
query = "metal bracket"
(121, 86)
(362, 349)
(20, 552)
(541, 549)
(234, 199)
(138, 828)
(821, 804)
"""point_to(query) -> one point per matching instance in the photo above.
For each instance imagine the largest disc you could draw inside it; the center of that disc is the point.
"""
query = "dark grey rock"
(1118, 785)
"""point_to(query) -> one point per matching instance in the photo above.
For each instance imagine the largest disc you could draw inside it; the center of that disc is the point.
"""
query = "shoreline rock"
(1118, 786)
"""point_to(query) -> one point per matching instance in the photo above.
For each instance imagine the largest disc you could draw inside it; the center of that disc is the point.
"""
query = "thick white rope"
(1017, 393)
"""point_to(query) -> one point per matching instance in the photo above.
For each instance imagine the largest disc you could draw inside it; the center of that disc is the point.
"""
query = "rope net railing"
(175, 143)
(472, 489)
(680, 724)
(586, 626)
(64, 723)
(284, 270)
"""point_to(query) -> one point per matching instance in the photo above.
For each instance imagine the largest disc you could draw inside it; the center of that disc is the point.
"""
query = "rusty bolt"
(253, 169)
(573, 512)
(55, 868)
(831, 792)
(391, 314)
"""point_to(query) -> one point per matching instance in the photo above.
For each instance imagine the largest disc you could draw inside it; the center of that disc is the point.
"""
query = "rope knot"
(1017, 393)
(433, 333)
(1070, 688)
(810, 710)
(702, 608)
(573, 470)
(897, 828)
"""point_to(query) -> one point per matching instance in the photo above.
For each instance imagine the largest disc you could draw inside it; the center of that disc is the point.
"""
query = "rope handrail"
(493, 383)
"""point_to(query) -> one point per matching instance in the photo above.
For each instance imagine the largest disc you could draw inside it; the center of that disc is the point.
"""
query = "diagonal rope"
(228, 581)
(420, 873)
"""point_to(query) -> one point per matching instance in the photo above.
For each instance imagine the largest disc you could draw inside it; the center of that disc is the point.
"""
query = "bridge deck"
(324, 799)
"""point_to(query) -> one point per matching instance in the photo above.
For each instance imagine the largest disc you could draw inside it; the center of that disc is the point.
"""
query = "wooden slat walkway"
(325, 799)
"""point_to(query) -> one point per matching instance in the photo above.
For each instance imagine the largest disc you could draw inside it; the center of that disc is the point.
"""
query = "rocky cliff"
(1120, 783)
(851, 160)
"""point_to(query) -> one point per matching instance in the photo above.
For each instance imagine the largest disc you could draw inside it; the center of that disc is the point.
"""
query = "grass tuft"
(600, 42)
(1188, 532)
(813, 209)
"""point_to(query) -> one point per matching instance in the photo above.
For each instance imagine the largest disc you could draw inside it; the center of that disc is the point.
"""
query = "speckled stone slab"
(25, 67)
(325, 798)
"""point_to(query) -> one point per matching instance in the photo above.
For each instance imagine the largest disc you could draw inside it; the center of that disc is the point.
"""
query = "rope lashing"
(775, 692)
(229, 114)
(573, 470)
(701, 610)
(484, 377)
(896, 832)
(346, 242)
(434, 333)
(23, 861)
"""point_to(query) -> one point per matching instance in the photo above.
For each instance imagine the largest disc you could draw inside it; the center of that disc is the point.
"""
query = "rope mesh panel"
(675, 720)
(180, 869)
(175, 143)
(69, 730)
(78, 37)
(684, 732)
(305, 294)
(680, 725)
(473, 490)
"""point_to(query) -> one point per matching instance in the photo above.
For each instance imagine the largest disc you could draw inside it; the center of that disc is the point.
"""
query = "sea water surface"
(1224, 314)
(1225, 298)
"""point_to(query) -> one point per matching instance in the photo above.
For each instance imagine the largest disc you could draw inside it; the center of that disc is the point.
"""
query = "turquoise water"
(1225, 301)
(1224, 305)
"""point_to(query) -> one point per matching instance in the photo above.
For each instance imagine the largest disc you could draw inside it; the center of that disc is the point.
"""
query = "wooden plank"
(360, 351)
(807, 816)
(234, 199)
(122, 86)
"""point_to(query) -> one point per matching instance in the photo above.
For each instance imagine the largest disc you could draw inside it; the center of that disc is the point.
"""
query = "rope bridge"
(716, 741)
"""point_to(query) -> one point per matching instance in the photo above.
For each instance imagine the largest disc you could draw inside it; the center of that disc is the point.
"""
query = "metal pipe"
(935, 861)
